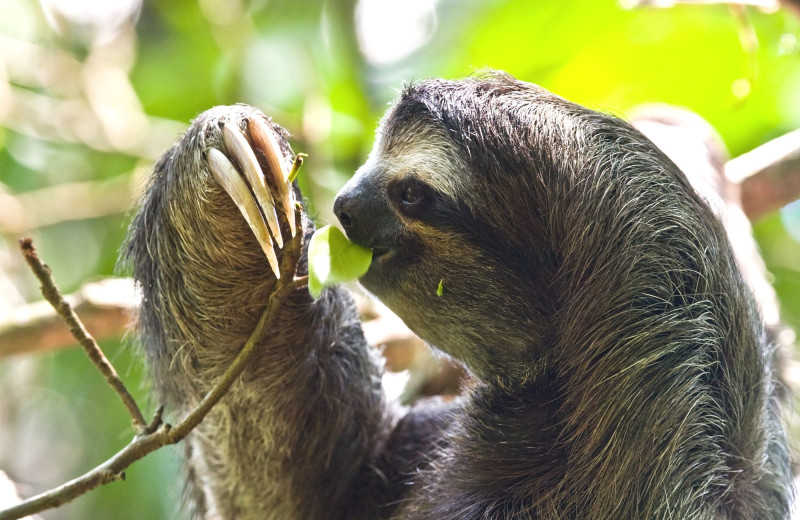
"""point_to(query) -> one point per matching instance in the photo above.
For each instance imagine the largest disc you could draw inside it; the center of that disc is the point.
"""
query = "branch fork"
(149, 436)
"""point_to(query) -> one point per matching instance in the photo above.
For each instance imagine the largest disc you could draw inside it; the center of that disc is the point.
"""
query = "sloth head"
(477, 186)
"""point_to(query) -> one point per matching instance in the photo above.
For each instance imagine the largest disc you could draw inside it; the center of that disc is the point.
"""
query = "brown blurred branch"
(103, 306)
(157, 434)
(769, 175)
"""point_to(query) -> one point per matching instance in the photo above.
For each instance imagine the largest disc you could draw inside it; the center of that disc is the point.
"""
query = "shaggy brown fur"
(620, 362)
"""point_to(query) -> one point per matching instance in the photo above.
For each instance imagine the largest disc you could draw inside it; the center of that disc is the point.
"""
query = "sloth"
(619, 363)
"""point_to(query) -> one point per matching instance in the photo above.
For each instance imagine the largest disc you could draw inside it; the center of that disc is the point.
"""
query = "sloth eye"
(412, 194)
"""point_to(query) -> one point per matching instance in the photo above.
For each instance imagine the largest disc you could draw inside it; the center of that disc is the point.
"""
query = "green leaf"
(440, 289)
(333, 259)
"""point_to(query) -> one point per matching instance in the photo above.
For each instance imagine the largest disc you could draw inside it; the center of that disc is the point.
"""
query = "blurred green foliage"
(302, 62)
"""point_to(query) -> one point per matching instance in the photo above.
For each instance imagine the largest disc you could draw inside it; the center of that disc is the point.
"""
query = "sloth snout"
(365, 216)
(342, 208)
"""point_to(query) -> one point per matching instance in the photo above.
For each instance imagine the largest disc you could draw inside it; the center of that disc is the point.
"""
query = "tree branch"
(52, 294)
(769, 175)
(104, 307)
(153, 436)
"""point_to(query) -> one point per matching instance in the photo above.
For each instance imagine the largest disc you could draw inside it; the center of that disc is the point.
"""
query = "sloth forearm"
(298, 436)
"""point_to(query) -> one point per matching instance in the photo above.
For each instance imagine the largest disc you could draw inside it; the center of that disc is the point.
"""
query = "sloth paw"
(251, 171)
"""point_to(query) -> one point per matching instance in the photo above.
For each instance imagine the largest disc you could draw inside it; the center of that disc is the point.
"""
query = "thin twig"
(158, 434)
(298, 162)
(64, 309)
(284, 286)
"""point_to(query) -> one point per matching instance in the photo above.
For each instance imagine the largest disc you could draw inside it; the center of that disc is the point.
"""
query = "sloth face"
(440, 261)
(411, 225)
(395, 206)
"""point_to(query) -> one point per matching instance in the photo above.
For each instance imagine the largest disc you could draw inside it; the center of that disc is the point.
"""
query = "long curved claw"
(261, 137)
(240, 149)
(228, 177)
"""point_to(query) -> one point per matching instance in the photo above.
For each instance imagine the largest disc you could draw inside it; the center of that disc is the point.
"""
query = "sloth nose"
(342, 208)
(365, 214)
(361, 214)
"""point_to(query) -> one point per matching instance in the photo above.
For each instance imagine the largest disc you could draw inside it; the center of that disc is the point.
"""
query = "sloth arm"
(305, 432)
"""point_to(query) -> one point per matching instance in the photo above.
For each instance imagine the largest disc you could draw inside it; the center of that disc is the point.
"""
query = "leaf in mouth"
(333, 259)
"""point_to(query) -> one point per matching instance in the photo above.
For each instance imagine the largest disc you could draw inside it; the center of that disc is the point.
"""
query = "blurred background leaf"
(92, 91)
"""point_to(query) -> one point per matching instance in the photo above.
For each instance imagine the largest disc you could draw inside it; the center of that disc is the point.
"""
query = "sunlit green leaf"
(333, 259)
